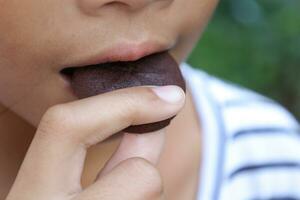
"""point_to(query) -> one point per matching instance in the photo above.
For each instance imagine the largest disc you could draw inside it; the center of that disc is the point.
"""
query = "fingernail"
(170, 93)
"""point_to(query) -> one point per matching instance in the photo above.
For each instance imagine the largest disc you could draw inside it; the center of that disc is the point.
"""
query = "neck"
(13, 128)
(2, 109)
(15, 136)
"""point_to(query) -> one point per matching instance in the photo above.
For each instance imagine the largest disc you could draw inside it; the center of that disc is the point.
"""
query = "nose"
(91, 6)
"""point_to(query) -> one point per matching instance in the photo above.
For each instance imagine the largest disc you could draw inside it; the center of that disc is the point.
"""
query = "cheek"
(32, 92)
(28, 46)
(31, 32)
(193, 16)
(17, 85)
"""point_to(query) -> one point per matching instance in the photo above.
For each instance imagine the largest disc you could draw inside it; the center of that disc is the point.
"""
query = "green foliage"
(255, 43)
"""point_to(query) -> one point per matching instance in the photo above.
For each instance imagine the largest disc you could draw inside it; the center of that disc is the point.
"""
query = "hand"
(53, 164)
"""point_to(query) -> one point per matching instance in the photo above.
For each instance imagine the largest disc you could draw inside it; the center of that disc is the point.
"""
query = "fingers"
(93, 119)
(56, 156)
(147, 146)
(132, 179)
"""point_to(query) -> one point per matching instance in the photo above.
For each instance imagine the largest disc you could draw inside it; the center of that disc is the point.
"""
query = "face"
(40, 38)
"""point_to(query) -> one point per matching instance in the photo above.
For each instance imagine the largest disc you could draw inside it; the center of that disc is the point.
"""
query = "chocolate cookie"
(157, 69)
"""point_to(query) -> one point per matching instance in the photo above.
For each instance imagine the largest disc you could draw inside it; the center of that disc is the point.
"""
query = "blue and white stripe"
(251, 147)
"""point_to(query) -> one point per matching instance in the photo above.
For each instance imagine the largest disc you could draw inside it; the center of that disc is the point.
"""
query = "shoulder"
(261, 158)
(239, 104)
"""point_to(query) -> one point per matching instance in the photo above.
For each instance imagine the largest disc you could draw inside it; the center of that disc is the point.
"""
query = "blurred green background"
(255, 43)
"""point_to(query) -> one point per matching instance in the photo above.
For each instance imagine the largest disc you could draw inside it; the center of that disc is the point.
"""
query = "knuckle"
(135, 101)
(149, 176)
(148, 94)
(56, 120)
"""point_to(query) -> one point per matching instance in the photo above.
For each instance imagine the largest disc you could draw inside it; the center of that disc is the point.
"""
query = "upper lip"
(122, 52)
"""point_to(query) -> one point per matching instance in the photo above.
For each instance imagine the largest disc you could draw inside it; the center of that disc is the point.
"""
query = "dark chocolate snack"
(157, 69)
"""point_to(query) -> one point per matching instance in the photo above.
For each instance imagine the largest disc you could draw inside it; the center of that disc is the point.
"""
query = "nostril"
(93, 7)
(115, 3)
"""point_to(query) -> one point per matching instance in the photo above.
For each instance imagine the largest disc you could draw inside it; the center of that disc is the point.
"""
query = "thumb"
(147, 146)
(132, 179)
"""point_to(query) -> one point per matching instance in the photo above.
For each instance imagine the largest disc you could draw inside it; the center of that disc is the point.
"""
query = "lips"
(124, 51)
(120, 53)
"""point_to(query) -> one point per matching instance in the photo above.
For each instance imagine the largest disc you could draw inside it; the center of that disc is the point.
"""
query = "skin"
(38, 39)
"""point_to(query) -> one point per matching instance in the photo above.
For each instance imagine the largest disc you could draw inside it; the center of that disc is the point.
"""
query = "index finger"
(58, 150)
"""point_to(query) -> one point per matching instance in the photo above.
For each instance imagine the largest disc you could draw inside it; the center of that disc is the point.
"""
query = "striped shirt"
(251, 145)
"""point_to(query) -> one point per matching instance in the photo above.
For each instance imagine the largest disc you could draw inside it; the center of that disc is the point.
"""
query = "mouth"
(120, 55)
(158, 69)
